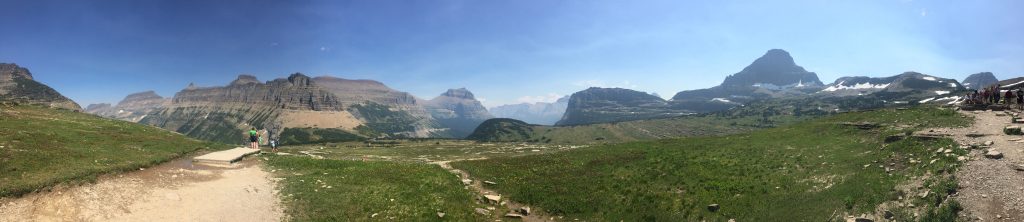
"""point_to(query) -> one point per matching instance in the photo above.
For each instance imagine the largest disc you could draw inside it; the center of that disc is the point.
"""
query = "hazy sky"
(504, 51)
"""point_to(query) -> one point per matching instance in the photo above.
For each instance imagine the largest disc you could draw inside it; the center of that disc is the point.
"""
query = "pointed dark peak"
(461, 93)
(245, 79)
(8, 70)
(774, 69)
(191, 86)
(775, 59)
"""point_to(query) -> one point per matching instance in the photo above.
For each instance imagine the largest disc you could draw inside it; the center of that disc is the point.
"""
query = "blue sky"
(503, 51)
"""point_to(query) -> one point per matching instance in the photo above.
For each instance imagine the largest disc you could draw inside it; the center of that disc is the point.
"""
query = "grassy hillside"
(293, 136)
(41, 147)
(341, 190)
(509, 130)
(809, 171)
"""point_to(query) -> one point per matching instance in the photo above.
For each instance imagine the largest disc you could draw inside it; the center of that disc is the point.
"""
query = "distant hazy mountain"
(458, 110)
(534, 113)
(773, 75)
(17, 84)
(601, 105)
(980, 80)
(132, 108)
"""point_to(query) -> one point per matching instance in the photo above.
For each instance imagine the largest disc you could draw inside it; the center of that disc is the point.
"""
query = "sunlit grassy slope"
(343, 190)
(41, 147)
(808, 171)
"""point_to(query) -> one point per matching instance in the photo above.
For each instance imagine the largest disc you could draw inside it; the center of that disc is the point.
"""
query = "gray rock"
(713, 207)
(513, 215)
(440, 214)
(989, 143)
(493, 199)
(490, 183)
(992, 154)
(482, 211)
(524, 210)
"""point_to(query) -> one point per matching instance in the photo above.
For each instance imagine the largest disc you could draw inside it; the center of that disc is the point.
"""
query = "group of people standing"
(256, 138)
(994, 95)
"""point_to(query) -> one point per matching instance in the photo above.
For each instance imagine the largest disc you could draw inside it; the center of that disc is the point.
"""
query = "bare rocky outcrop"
(17, 85)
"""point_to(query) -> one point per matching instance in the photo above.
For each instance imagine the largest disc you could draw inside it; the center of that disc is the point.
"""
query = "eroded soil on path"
(174, 191)
(990, 189)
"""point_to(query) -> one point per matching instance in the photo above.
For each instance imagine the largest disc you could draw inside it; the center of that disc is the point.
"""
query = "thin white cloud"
(603, 84)
(324, 48)
(924, 12)
(549, 98)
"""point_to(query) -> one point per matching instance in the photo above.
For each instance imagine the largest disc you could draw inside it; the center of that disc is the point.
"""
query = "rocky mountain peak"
(980, 80)
(245, 79)
(461, 93)
(191, 86)
(775, 68)
(143, 95)
(9, 70)
(298, 79)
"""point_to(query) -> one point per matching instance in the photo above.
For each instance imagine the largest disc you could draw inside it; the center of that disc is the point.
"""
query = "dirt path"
(990, 189)
(174, 191)
(478, 187)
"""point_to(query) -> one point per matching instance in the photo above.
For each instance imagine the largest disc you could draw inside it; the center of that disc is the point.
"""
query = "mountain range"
(364, 108)
(541, 113)
(370, 109)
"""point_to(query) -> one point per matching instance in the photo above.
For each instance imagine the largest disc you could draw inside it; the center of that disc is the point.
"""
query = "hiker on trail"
(983, 99)
(1009, 97)
(254, 138)
(1020, 99)
(273, 145)
(993, 95)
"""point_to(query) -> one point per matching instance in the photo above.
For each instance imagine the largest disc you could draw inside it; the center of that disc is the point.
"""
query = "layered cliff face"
(458, 110)
(132, 108)
(602, 105)
(534, 113)
(773, 75)
(297, 102)
(17, 84)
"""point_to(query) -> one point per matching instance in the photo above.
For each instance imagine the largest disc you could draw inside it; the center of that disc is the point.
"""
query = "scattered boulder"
(1012, 130)
(961, 158)
(513, 215)
(524, 210)
(482, 211)
(974, 135)
(493, 199)
(989, 143)
(440, 214)
(889, 215)
(490, 183)
(467, 181)
(992, 154)
(713, 207)
(1018, 167)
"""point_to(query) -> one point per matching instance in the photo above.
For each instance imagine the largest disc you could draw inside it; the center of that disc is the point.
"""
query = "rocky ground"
(991, 186)
(175, 191)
